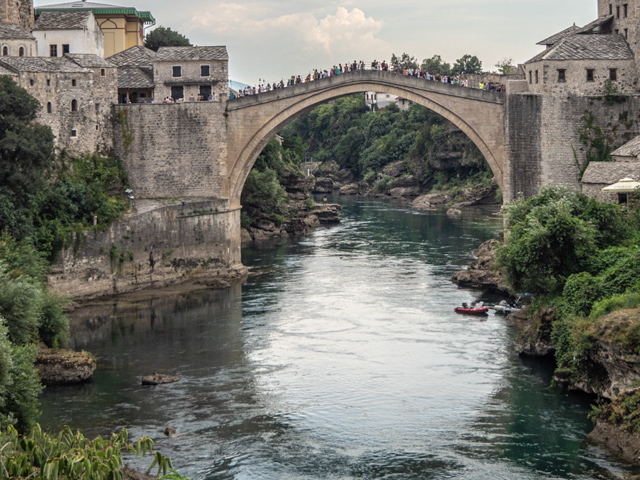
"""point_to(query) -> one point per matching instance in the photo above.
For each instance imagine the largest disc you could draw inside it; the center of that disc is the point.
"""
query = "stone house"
(16, 41)
(135, 74)
(187, 72)
(76, 93)
(59, 33)
(602, 174)
(122, 27)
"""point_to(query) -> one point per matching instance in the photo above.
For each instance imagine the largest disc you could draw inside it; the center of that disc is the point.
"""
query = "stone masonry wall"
(523, 120)
(563, 118)
(169, 244)
(542, 134)
(173, 150)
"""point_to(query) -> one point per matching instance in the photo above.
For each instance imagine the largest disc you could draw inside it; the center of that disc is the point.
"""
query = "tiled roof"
(42, 64)
(87, 60)
(590, 27)
(587, 47)
(553, 39)
(131, 76)
(98, 9)
(62, 21)
(137, 55)
(629, 149)
(191, 53)
(608, 173)
(6, 71)
(14, 32)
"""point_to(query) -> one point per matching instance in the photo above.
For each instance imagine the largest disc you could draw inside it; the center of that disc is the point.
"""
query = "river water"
(340, 358)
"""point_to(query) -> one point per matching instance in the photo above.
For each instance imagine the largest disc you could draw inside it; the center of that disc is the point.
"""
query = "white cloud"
(345, 35)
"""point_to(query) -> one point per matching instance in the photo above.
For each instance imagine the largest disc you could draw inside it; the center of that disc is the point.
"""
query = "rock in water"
(63, 366)
(159, 379)
(169, 431)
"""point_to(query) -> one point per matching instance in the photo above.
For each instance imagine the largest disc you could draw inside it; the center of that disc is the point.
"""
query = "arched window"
(50, 108)
(21, 52)
(74, 105)
(5, 51)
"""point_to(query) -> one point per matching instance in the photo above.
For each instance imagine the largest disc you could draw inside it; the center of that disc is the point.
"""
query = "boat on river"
(475, 309)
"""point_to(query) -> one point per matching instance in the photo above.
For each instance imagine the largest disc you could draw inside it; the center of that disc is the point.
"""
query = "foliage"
(402, 62)
(612, 93)
(467, 64)
(505, 66)
(68, 456)
(436, 66)
(19, 383)
(622, 411)
(598, 144)
(165, 37)
(30, 311)
(623, 301)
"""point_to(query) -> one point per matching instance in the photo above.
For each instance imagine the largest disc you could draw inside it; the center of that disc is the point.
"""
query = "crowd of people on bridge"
(355, 66)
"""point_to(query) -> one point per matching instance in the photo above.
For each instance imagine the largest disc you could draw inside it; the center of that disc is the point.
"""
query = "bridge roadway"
(253, 120)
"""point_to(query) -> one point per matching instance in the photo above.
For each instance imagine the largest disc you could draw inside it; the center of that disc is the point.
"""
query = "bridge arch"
(252, 121)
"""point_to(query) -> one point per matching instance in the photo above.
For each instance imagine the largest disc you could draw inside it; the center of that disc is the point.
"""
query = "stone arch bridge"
(253, 120)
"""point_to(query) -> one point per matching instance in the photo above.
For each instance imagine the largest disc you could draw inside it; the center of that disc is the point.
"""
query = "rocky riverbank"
(482, 272)
(606, 364)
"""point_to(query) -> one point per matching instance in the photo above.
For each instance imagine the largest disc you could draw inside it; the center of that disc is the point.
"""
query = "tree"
(505, 66)
(165, 37)
(402, 62)
(467, 64)
(435, 65)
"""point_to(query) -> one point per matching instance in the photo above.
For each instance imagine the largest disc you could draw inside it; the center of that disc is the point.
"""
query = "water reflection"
(341, 357)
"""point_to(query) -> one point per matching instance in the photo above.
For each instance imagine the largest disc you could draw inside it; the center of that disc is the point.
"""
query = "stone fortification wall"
(542, 136)
(170, 244)
(173, 150)
(17, 12)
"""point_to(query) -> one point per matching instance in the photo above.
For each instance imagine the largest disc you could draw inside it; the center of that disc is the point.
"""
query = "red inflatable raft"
(472, 310)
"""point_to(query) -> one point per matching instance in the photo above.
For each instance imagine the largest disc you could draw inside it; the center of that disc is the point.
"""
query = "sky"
(273, 40)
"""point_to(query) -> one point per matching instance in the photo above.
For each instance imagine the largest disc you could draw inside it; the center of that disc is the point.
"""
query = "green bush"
(617, 302)
(73, 457)
(581, 291)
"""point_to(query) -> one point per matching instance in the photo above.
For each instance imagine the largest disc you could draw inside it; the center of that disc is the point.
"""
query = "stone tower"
(625, 21)
(17, 12)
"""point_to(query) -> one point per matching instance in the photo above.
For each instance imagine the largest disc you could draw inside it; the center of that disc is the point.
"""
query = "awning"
(626, 185)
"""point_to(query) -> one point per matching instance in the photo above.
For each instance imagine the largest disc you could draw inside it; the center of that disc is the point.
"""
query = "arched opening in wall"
(5, 51)
(49, 107)
(74, 105)
(21, 52)
(399, 149)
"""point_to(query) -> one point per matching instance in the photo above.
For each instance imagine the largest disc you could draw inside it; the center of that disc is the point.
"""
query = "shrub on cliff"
(557, 234)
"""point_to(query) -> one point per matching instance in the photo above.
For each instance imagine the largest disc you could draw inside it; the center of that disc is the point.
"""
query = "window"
(625, 10)
(49, 107)
(74, 105)
(21, 52)
(537, 76)
(613, 74)
(626, 33)
(31, 81)
(562, 77)
(73, 82)
(590, 72)
(53, 50)
(48, 82)
(205, 70)
(103, 72)
(617, 31)
(97, 107)
(530, 77)
(177, 92)
(97, 127)
(65, 49)
(618, 11)
(177, 71)
(610, 9)
(5, 51)
(74, 133)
